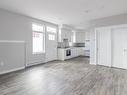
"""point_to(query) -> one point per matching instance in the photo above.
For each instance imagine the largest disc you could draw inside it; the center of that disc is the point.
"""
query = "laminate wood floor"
(71, 77)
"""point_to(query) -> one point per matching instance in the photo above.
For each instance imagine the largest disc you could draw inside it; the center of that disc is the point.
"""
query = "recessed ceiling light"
(86, 11)
(102, 7)
(60, 19)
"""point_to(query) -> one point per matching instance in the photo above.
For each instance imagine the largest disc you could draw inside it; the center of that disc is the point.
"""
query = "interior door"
(51, 46)
(104, 46)
(119, 40)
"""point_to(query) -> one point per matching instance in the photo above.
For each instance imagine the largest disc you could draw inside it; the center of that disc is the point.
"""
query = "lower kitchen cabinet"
(67, 53)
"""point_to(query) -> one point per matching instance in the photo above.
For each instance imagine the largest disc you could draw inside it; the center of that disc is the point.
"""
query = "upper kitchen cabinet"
(79, 37)
(65, 33)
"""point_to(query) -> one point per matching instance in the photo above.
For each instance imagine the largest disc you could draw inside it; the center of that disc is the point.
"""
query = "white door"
(51, 45)
(119, 47)
(104, 46)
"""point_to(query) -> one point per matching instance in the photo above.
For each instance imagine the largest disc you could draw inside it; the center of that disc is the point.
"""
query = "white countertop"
(71, 48)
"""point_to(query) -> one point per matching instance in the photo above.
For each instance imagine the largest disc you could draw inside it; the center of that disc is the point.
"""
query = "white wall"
(18, 27)
(65, 33)
(112, 20)
(87, 35)
(12, 56)
(92, 47)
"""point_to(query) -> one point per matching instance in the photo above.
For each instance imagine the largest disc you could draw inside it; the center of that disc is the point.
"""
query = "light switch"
(2, 63)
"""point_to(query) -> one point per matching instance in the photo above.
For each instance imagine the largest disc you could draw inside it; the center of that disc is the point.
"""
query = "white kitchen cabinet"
(82, 51)
(79, 37)
(78, 51)
(86, 53)
(62, 54)
(75, 52)
(65, 34)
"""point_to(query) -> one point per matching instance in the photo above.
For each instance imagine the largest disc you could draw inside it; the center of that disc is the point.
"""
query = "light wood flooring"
(71, 77)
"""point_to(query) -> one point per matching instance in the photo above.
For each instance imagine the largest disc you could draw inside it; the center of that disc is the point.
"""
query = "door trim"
(96, 41)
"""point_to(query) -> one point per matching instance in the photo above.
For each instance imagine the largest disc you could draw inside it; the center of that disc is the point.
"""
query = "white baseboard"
(50, 60)
(35, 63)
(12, 70)
(93, 63)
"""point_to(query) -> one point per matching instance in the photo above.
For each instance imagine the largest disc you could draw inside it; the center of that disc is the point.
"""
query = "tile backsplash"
(70, 44)
(78, 44)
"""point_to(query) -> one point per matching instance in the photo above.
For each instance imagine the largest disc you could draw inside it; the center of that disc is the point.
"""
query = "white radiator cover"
(12, 56)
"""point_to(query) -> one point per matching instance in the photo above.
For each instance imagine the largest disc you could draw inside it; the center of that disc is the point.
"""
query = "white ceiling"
(72, 12)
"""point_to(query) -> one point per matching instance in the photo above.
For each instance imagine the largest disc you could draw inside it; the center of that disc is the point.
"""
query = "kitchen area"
(72, 43)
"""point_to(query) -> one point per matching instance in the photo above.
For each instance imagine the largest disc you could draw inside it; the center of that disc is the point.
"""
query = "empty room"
(63, 47)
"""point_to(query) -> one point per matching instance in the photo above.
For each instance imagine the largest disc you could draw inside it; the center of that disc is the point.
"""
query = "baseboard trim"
(34, 64)
(12, 70)
(50, 60)
(93, 63)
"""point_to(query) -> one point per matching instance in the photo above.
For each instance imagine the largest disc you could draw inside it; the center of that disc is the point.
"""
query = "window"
(51, 37)
(51, 29)
(38, 39)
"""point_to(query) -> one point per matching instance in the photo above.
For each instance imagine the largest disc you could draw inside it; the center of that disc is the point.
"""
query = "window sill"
(39, 53)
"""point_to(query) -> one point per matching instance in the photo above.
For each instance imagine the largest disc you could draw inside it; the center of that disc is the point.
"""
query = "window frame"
(51, 28)
(43, 37)
(53, 37)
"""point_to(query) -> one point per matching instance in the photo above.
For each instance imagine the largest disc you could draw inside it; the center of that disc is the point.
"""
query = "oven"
(68, 52)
